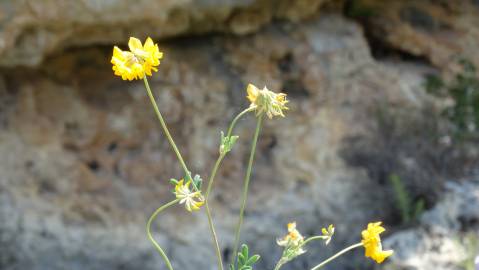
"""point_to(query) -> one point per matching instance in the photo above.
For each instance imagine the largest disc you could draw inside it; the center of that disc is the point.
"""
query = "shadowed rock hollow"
(83, 161)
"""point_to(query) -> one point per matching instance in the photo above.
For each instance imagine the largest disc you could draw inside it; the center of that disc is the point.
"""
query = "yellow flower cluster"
(141, 60)
(372, 242)
(293, 243)
(266, 101)
(192, 200)
(292, 238)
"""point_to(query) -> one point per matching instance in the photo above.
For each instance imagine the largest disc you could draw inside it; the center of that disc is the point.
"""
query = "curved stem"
(187, 175)
(246, 185)
(336, 256)
(221, 156)
(233, 123)
(148, 231)
(167, 132)
(312, 238)
(208, 190)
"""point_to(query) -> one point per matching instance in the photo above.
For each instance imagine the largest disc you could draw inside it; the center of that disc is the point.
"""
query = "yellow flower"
(266, 101)
(141, 60)
(328, 233)
(372, 242)
(293, 237)
(192, 200)
(293, 244)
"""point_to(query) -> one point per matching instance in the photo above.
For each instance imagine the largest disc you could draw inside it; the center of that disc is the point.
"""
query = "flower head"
(328, 234)
(292, 243)
(192, 200)
(266, 101)
(141, 60)
(372, 242)
(292, 238)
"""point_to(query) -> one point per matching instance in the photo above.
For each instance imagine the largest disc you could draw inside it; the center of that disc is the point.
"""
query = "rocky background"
(83, 162)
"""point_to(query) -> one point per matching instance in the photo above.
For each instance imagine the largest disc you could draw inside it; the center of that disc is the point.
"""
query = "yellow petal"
(149, 44)
(134, 44)
(252, 92)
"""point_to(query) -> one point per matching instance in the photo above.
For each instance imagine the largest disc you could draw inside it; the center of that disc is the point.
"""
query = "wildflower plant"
(139, 62)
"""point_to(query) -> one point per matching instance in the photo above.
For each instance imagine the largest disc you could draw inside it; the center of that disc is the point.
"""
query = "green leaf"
(227, 143)
(241, 259)
(253, 259)
(197, 181)
(244, 250)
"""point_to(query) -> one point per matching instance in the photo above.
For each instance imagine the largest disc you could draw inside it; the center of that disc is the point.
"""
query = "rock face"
(440, 241)
(83, 162)
(440, 31)
(30, 30)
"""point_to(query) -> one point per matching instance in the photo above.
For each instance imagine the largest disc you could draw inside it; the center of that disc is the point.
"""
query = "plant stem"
(279, 264)
(246, 185)
(148, 231)
(208, 190)
(221, 156)
(187, 172)
(336, 256)
(214, 236)
(233, 123)
(312, 238)
(167, 132)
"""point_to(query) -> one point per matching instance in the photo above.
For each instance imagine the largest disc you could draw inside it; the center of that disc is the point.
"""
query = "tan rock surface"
(85, 162)
(440, 31)
(31, 30)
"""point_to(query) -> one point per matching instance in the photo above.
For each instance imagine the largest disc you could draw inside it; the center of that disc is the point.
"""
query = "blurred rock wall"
(83, 162)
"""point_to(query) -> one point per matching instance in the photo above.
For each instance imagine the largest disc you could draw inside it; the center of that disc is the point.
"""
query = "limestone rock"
(440, 242)
(440, 31)
(84, 162)
(30, 30)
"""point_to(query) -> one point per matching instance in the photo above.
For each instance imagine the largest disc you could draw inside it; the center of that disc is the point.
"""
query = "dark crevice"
(381, 49)
(291, 74)
(93, 165)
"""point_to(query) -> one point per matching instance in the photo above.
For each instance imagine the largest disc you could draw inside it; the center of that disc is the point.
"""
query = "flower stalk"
(187, 172)
(330, 259)
(167, 132)
(150, 236)
(210, 185)
(246, 186)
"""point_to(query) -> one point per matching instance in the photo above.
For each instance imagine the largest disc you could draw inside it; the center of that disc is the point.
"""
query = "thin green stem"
(246, 185)
(185, 168)
(150, 236)
(221, 156)
(233, 123)
(167, 132)
(336, 256)
(312, 238)
(212, 176)
(208, 190)
(279, 264)
(214, 236)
